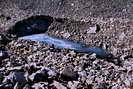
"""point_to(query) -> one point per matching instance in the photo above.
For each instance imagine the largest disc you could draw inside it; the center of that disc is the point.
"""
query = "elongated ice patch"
(59, 43)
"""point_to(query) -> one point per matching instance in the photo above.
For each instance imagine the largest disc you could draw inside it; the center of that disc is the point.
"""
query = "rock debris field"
(34, 64)
(27, 64)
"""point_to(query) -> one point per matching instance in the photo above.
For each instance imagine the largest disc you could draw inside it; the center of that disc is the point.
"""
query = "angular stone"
(39, 76)
(68, 74)
(16, 77)
(58, 85)
(27, 86)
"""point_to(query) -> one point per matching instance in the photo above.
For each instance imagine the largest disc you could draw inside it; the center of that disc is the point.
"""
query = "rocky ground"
(34, 65)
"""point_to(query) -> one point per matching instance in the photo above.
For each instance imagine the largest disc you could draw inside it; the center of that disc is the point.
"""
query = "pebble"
(101, 86)
(31, 68)
(93, 56)
(17, 68)
(82, 73)
(7, 86)
(73, 85)
(121, 36)
(93, 30)
(3, 54)
(58, 85)
(51, 73)
(66, 35)
(16, 86)
(115, 51)
(3, 39)
(27, 86)
(38, 86)
(1, 77)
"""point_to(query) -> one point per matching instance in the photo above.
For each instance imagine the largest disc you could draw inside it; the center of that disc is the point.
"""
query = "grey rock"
(7, 86)
(1, 77)
(73, 85)
(92, 30)
(3, 39)
(93, 56)
(17, 68)
(68, 74)
(58, 85)
(19, 77)
(31, 68)
(50, 72)
(16, 86)
(66, 35)
(38, 86)
(3, 54)
(39, 76)
(27, 86)
(122, 36)
(82, 73)
(16, 77)
(101, 86)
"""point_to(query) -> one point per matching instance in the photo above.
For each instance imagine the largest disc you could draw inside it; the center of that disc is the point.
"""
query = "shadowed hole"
(32, 25)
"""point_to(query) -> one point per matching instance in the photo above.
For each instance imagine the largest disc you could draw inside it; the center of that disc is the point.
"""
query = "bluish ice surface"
(59, 43)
